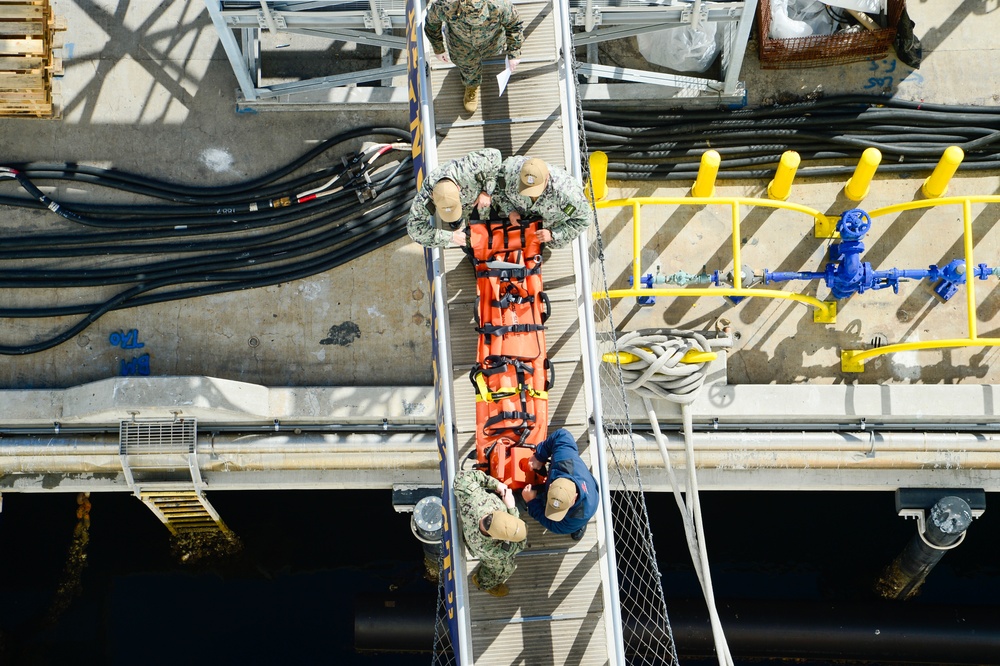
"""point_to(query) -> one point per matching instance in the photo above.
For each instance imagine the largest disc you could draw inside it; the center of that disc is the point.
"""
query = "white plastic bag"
(682, 49)
(800, 18)
(867, 6)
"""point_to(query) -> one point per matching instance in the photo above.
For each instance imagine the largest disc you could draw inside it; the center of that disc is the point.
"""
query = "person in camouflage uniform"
(475, 176)
(477, 29)
(491, 527)
(531, 188)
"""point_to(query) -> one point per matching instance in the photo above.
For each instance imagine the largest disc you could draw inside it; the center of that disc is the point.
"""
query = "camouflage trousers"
(468, 58)
(494, 572)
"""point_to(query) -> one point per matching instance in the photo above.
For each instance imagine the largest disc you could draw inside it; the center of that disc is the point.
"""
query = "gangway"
(562, 606)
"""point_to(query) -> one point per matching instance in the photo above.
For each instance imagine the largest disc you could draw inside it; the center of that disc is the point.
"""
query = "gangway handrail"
(425, 160)
(570, 103)
(826, 311)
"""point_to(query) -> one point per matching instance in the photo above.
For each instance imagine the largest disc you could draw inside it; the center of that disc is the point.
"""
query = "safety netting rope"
(647, 634)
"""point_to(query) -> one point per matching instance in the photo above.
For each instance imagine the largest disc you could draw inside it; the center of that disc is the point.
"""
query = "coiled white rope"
(657, 372)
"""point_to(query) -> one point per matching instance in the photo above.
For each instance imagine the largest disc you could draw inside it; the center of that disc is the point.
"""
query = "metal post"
(937, 183)
(232, 48)
(427, 524)
(950, 517)
(859, 184)
(738, 47)
(599, 175)
(704, 184)
(781, 187)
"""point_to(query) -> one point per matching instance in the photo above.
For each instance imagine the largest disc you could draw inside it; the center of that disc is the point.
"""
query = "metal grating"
(158, 436)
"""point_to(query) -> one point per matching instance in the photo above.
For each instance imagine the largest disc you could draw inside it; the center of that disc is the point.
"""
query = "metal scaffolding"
(241, 24)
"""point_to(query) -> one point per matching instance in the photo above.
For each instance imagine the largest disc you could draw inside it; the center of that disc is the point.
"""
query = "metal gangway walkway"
(562, 606)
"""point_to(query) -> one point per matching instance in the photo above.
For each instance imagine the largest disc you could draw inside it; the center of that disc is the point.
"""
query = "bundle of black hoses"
(829, 134)
(286, 225)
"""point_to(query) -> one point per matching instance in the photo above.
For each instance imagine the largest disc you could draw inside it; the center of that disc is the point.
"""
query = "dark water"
(289, 597)
(817, 546)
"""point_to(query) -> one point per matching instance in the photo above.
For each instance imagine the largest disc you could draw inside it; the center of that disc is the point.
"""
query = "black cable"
(913, 135)
(309, 235)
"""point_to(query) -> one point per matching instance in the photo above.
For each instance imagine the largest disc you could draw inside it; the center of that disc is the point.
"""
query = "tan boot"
(471, 100)
(500, 590)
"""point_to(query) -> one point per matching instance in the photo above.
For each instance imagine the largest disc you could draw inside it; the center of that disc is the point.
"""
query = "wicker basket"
(824, 50)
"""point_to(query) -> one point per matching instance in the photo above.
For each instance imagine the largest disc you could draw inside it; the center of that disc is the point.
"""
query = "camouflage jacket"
(475, 495)
(563, 207)
(474, 25)
(474, 173)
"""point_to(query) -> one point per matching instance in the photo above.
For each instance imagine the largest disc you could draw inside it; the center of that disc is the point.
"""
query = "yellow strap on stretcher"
(483, 393)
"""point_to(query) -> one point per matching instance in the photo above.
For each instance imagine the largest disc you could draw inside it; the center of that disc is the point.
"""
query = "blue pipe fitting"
(845, 274)
(647, 282)
(952, 276)
(854, 224)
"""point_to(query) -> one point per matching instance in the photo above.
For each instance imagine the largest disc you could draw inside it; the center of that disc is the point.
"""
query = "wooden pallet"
(29, 36)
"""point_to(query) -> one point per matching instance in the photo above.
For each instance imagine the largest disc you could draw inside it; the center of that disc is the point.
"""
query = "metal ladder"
(160, 461)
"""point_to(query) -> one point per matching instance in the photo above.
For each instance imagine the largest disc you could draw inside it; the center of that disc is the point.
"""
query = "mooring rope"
(656, 370)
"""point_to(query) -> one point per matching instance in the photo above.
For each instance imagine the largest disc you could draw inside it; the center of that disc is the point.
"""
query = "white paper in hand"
(504, 76)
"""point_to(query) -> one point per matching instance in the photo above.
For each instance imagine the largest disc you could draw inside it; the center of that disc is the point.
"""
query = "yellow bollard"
(937, 183)
(690, 356)
(622, 357)
(598, 176)
(704, 185)
(858, 185)
(781, 187)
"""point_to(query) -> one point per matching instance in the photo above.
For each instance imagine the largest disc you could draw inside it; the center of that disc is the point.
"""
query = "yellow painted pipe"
(690, 356)
(918, 204)
(827, 310)
(859, 184)
(970, 278)
(737, 258)
(598, 184)
(619, 357)
(781, 187)
(857, 358)
(937, 183)
(704, 185)
(636, 243)
(695, 356)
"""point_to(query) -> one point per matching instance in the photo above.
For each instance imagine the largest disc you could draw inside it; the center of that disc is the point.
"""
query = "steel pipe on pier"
(731, 453)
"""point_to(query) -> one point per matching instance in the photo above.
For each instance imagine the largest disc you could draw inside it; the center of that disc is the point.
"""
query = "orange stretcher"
(512, 375)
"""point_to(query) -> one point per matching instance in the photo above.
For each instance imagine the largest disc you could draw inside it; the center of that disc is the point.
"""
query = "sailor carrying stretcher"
(519, 187)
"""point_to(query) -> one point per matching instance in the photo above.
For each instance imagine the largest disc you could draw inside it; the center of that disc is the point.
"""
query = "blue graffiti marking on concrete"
(126, 340)
(137, 366)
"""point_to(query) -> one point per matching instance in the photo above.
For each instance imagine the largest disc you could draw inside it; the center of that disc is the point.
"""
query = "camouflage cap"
(447, 202)
(506, 527)
(559, 498)
(534, 174)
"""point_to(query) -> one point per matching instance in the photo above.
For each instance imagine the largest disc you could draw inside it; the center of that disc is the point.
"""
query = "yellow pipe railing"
(826, 311)
(851, 360)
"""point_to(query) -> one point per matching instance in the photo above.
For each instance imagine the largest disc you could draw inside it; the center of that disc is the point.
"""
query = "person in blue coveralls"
(568, 499)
